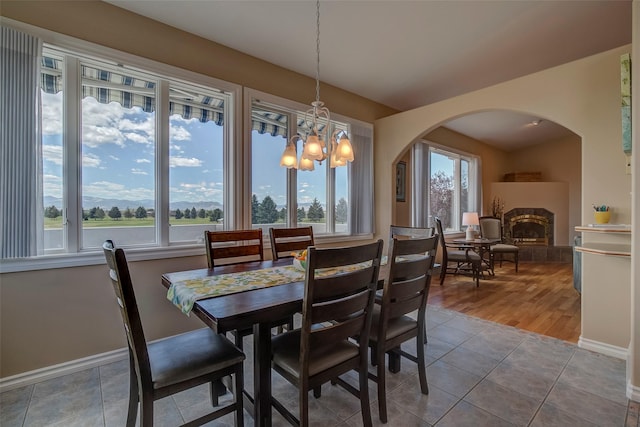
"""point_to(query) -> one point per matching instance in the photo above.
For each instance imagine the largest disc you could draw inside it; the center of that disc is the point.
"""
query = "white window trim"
(236, 160)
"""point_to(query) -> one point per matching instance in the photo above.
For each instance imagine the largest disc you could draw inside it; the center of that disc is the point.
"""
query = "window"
(149, 155)
(288, 197)
(452, 184)
(111, 183)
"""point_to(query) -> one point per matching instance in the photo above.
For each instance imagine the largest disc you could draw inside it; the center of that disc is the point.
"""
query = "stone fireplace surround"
(552, 197)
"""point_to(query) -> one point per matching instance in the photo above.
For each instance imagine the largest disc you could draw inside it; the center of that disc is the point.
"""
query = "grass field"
(124, 222)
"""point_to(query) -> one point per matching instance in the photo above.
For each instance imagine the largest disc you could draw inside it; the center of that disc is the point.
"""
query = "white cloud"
(52, 153)
(143, 161)
(138, 172)
(90, 160)
(184, 162)
(179, 133)
(111, 156)
(52, 185)
(109, 190)
(51, 113)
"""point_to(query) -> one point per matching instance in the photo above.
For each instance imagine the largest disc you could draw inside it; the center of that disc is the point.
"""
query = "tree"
(141, 212)
(96, 213)
(267, 212)
(51, 212)
(315, 213)
(255, 207)
(216, 214)
(179, 214)
(194, 214)
(342, 212)
(301, 214)
(187, 213)
(202, 213)
(282, 215)
(115, 213)
(128, 213)
(441, 195)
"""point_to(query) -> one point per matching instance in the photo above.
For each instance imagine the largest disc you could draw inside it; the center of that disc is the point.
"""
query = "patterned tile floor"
(480, 374)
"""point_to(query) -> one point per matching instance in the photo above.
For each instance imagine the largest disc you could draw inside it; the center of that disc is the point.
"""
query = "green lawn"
(123, 222)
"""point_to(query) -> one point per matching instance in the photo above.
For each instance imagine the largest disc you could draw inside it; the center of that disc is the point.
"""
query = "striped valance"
(134, 91)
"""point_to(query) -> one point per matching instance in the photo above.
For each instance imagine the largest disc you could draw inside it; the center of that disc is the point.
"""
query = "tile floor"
(480, 374)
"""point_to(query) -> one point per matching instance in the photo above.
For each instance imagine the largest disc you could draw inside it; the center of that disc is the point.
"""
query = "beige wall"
(558, 161)
(53, 316)
(583, 96)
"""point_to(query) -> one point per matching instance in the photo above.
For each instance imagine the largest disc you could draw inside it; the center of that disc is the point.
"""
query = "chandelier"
(317, 120)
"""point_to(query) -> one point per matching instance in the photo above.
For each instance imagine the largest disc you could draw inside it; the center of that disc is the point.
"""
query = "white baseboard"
(602, 348)
(633, 392)
(32, 377)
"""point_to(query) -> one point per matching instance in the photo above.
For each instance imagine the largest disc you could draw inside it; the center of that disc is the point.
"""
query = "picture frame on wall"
(401, 180)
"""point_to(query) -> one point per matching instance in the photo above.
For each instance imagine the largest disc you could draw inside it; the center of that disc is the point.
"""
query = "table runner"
(187, 287)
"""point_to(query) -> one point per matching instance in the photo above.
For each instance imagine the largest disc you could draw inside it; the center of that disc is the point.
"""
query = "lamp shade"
(289, 158)
(470, 219)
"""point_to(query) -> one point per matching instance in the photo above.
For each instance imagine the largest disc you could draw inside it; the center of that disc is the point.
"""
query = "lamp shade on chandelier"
(318, 119)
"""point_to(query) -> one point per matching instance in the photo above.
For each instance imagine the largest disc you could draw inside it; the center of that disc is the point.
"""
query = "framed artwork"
(401, 180)
(625, 93)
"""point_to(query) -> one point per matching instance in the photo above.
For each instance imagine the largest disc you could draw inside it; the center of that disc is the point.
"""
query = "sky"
(118, 155)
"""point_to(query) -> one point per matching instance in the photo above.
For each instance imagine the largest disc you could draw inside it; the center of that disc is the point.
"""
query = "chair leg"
(382, 393)
(132, 411)
(365, 406)
(214, 393)
(477, 269)
(317, 392)
(443, 272)
(304, 408)
(422, 369)
(516, 258)
(146, 410)
(237, 394)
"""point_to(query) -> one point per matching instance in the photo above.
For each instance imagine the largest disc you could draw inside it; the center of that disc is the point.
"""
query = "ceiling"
(405, 54)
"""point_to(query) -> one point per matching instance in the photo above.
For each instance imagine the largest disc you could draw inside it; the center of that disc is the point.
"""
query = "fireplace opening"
(529, 226)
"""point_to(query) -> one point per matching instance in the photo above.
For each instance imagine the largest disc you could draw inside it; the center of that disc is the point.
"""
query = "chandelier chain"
(317, 50)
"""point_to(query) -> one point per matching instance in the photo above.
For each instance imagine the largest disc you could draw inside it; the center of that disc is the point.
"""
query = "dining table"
(268, 291)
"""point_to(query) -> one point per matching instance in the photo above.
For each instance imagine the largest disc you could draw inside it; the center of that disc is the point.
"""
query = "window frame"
(293, 109)
(236, 157)
(421, 160)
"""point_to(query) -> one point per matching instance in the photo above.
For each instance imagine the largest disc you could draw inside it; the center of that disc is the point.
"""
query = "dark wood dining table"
(258, 308)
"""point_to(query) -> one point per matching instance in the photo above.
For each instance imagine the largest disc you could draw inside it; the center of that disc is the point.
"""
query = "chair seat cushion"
(501, 247)
(286, 354)
(458, 255)
(395, 327)
(190, 355)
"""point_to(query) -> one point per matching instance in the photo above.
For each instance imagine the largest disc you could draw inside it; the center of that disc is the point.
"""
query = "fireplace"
(529, 226)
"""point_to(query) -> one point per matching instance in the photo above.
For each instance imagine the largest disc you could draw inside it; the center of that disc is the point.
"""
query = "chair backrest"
(126, 299)
(490, 227)
(233, 247)
(286, 240)
(338, 305)
(407, 286)
(443, 244)
(410, 232)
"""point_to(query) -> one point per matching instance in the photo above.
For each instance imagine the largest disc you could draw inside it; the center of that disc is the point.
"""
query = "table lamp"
(470, 219)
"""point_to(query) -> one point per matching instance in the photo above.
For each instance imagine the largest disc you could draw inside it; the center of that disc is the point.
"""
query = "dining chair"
(161, 368)
(491, 228)
(338, 297)
(284, 241)
(401, 231)
(235, 247)
(457, 258)
(405, 290)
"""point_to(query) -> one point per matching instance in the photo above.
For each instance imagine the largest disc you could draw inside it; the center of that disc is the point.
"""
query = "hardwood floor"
(539, 298)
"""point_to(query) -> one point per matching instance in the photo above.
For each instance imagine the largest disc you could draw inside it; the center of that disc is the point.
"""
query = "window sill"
(47, 262)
